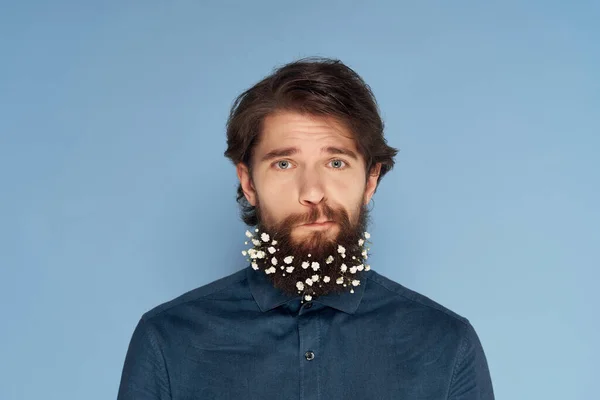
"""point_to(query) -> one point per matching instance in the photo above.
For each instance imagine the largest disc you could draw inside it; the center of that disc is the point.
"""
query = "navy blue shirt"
(241, 338)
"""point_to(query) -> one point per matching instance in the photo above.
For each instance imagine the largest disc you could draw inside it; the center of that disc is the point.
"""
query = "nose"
(312, 191)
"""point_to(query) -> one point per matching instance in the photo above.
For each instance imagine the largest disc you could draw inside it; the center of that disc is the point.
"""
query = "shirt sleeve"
(471, 377)
(144, 374)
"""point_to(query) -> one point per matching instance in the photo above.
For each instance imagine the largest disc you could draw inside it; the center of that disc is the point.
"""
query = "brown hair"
(314, 86)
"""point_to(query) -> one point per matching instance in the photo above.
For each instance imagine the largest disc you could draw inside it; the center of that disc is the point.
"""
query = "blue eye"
(283, 164)
(338, 164)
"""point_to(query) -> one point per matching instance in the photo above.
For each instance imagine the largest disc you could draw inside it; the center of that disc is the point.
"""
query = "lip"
(323, 224)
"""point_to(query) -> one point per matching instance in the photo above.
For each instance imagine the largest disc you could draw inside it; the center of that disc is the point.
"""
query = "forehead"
(291, 128)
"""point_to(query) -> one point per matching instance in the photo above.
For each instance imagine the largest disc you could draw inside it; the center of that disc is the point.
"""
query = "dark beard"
(319, 247)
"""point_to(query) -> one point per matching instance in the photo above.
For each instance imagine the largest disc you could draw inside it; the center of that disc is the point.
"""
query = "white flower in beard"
(270, 270)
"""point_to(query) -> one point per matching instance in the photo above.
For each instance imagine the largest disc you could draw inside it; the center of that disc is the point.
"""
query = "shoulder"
(232, 284)
(412, 301)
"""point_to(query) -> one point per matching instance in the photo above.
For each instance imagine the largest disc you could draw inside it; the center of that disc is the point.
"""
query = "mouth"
(319, 224)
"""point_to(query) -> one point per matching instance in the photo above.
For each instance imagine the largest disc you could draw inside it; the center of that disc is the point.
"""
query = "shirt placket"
(309, 352)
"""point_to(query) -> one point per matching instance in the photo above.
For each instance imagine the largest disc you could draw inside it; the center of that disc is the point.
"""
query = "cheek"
(276, 202)
(348, 191)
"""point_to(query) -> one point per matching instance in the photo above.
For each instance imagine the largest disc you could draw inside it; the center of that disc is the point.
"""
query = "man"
(307, 318)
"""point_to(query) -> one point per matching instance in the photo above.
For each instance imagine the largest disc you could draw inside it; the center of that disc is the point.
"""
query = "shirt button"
(308, 305)
(309, 355)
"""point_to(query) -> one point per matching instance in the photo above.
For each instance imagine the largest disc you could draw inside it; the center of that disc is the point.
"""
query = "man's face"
(303, 166)
(310, 188)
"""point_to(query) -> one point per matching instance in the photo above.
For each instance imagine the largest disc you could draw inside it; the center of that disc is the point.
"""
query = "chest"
(316, 358)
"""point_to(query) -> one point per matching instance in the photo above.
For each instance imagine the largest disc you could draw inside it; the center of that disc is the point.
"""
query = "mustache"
(315, 214)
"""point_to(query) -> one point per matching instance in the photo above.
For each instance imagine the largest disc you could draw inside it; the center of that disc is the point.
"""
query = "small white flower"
(308, 297)
(355, 282)
(341, 249)
(265, 237)
(343, 267)
(351, 290)
(305, 264)
(339, 280)
(244, 252)
(248, 234)
(343, 255)
(309, 281)
(367, 235)
(315, 266)
(256, 242)
(352, 270)
(282, 267)
(315, 278)
(274, 261)
(288, 259)
(252, 253)
(256, 230)
(300, 285)
(255, 266)
(309, 254)
(274, 242)
(326, 279)
(329, 260)
(271, 250)
(364, 254)
(361, 242)
(270, 270)
(261, 254)
(367, 267)
(289, 270)
(360, 267)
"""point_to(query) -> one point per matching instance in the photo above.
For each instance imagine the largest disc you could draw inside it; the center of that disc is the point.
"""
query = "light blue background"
(115, 195)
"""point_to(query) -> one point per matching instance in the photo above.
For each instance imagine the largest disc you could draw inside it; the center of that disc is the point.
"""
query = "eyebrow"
(289, 151)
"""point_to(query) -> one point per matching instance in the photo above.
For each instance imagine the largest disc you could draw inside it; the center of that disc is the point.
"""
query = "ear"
(245, 178)
(372, 182)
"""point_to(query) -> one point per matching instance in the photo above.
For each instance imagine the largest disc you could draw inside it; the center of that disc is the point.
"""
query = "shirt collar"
(269, 297)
